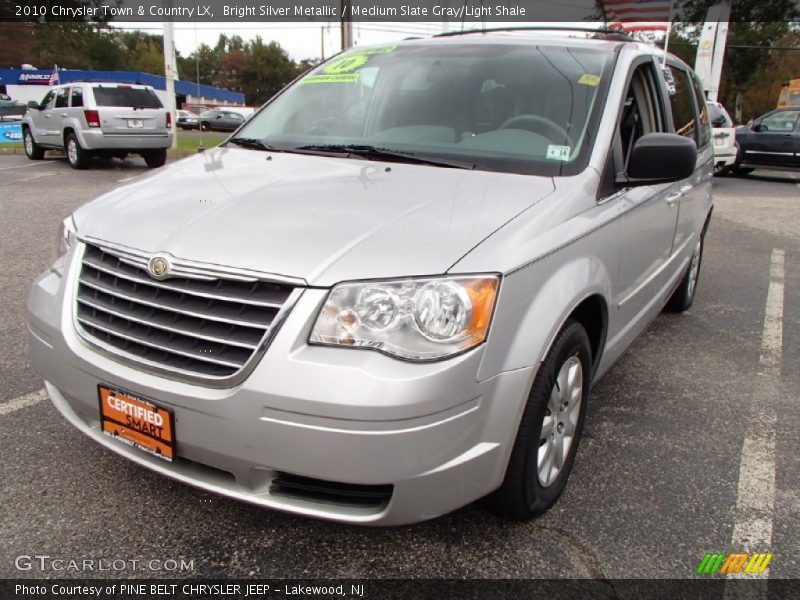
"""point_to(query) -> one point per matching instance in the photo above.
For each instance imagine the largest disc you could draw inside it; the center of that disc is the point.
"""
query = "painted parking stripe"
(33, 164)
(28, 178)
(22, 402)
(755, 498)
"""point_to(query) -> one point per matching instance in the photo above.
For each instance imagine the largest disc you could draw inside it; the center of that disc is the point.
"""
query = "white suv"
(104, 119)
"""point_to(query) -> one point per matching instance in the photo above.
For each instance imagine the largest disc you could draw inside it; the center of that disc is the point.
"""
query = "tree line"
(254, 67)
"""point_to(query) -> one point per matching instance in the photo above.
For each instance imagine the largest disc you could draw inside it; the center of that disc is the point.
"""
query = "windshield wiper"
(251, 144)
(376, 153)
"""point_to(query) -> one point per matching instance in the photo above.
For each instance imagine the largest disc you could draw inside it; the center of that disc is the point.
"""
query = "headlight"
(416, 319)
(64, 241)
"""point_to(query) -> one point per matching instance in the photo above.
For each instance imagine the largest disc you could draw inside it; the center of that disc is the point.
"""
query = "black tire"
(77, 157)
(683, 297)
(32, 150)
(155, 158)
(522, 495)
(722, 171)
(741, 170)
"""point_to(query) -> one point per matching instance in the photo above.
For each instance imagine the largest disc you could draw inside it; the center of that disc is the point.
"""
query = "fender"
(535, 302)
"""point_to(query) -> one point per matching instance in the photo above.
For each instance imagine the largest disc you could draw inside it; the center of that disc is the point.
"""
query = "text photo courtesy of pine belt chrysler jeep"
(98, 119)
(389, 294)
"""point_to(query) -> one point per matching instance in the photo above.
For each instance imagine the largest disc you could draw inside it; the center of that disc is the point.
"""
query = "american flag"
(638, 10)
(54, 76)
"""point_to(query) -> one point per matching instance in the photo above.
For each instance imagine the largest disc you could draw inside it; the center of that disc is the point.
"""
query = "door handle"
(673, 198)
(64, 114)
(47, 116)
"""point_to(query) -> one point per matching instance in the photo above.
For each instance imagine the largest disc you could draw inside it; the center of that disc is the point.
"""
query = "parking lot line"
(33, 164)
(28, 178)
(755, 497)
(22, 402)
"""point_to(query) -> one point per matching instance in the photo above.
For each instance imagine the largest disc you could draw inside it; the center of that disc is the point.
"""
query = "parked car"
(772, 141)
(98, 119)
(220, 120)
(724, 134)
(390, 293)
(187, 120)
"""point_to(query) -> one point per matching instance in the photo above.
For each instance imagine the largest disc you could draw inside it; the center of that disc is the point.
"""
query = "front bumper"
(434, 433)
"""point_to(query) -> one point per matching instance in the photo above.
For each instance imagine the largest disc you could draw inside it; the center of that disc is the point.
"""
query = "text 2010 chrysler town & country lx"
(389, 293)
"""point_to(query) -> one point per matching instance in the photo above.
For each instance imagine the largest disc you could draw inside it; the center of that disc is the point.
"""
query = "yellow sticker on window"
(378, 50)
(589, 79)
(348, 64)
(337, 78)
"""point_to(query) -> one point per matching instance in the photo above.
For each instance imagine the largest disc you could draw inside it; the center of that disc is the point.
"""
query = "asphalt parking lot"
(692, 443)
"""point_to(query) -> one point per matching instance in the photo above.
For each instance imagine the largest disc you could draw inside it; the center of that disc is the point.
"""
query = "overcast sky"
(304, 40)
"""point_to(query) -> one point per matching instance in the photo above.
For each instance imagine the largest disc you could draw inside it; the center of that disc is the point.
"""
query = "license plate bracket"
(135, 123)
(137, 421)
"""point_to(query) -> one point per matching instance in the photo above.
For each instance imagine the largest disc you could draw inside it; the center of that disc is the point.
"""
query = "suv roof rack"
(607, 32)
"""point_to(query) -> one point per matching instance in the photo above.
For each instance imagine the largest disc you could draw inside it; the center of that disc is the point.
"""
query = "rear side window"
(127, 97)
(76, 97)
(704, 129)
(62, 98)
(682, 103)
(719, 116)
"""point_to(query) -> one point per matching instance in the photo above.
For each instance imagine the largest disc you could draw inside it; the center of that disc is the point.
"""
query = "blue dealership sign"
(10, 133)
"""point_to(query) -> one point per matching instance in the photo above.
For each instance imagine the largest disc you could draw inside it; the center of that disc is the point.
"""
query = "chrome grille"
(202, 322)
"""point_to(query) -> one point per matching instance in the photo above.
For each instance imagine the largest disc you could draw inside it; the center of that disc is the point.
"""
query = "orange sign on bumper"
(137, 422)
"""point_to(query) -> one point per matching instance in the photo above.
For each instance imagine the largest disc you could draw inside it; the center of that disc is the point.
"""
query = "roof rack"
(607, 32)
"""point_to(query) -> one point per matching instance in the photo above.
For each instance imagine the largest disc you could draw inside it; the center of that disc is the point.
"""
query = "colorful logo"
(734, 562)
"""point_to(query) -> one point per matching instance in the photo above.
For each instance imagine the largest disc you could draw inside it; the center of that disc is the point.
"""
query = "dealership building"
(24, 85)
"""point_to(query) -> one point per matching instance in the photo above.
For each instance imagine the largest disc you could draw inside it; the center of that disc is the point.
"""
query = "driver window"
(641, 111)
(782, 121)
(48, 100)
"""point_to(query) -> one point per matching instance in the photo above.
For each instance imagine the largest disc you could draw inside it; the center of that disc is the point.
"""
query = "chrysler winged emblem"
(158, 266)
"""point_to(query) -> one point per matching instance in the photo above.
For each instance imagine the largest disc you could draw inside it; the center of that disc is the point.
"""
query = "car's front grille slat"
(109, 309)
(208, 326)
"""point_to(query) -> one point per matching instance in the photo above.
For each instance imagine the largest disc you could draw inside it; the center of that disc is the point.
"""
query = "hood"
(319, 219)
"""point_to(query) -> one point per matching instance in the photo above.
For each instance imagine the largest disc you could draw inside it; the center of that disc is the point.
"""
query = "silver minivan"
(104, 119)
(390, 293)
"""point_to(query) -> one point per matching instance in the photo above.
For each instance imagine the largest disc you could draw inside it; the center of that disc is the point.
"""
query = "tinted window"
(77, 97)
(682, 103)
(704, 130)
(126, 96)
(62, 98)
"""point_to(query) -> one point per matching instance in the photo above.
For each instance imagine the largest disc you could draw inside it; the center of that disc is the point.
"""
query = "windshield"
(502, 107)
(127, 97)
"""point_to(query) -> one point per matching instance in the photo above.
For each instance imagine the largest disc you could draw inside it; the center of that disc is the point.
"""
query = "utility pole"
(169, 73)
(322, 43)
(347, 25)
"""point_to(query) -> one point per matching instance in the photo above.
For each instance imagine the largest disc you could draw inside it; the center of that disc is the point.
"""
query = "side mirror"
(219, 116)
(661, 158)
(33, 104)
(758, 127)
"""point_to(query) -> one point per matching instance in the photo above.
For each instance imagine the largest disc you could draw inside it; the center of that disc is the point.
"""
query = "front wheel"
(32, 149)
(550, 430)
(683, 297)
(204, 127)
(77, 157)
(155, 158)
